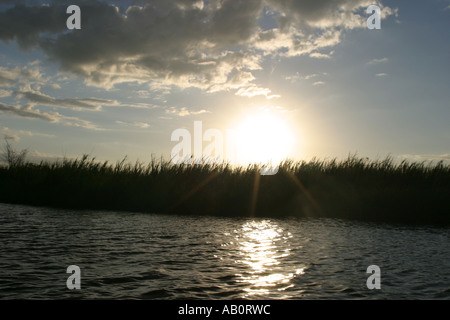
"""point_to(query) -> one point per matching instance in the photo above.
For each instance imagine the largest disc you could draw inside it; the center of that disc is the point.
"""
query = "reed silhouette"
(354, 188)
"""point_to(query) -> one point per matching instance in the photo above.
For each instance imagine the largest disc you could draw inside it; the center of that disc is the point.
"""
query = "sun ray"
(255, 194)
(305, 191)
(194, 190)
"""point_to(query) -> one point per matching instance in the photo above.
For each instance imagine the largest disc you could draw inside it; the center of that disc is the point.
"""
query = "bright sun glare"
(263, 138)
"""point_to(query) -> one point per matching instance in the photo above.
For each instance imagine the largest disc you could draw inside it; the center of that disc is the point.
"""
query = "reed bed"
(353, 188)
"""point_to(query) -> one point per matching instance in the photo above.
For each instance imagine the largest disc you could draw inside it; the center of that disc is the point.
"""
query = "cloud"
(138, 124)
(36, 97)
(6, 79)
(25, 24)
(7, 134)
(137, 105)
(37, 156)
(26, 76)
(15, 135)
(323, 14)
(143, 93)
(253, 91)
(381, 74)
(305, 27)
(212, 45)
(182, 112)
(297, 76)
(5, 93)
(27, 111)
(318, 83)
(33, 99)
(376, 61)
(313, 75)
(321, 55)
(54, 86)
(10, 76)
(181, 46)
(425, 157)
(76, 122)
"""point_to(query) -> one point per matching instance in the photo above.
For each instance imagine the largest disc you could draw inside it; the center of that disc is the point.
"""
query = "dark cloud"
(25, 24)
(36, 97)
(213, 45)
(310, 11)
(184, 46)
(27, 112)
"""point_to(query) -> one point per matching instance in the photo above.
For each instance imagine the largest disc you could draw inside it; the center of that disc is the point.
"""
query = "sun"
(263, 138)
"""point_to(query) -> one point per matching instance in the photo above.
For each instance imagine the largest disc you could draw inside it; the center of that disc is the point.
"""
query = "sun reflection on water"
(263, 245)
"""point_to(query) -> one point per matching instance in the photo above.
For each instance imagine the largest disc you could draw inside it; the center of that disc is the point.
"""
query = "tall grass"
(354, 188)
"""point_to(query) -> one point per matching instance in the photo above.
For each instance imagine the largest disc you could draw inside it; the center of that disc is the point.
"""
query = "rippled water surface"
(151, 256)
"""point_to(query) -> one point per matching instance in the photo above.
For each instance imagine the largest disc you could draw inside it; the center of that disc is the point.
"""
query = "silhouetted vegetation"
(354, 188)
(12, 157)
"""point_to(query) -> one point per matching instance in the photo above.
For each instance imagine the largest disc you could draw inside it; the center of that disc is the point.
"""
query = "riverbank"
(355, 188)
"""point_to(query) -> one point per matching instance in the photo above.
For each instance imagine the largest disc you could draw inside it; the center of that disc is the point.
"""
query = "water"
(151, 256)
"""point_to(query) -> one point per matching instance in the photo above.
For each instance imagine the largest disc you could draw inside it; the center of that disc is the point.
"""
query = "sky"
(291, 79)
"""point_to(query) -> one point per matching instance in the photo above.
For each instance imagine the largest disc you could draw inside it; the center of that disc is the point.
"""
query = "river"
(125, 255)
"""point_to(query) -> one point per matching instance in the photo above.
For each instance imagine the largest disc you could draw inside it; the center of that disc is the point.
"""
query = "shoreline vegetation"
(354, 188)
